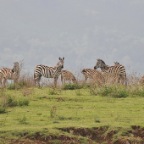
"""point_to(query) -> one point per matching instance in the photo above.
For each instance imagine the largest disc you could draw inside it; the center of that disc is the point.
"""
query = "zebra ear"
(59, 58)
(63, 58)
(13, 70)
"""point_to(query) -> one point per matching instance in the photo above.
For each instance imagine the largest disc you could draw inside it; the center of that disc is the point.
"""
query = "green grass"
(45, 109)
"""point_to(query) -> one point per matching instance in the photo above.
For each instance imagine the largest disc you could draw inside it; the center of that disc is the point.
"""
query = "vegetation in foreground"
(72, 114)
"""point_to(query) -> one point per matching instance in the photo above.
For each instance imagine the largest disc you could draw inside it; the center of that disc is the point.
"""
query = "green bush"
(112, 91)
(105, 91)
(53, 92)
(120, 93)
(11, 102)
(2, 109)
(71, 86)
(23, 102)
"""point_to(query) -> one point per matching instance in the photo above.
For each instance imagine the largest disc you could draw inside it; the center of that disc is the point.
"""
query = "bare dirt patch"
(99, 135)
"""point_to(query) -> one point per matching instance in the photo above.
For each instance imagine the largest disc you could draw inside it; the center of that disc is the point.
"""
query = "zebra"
(94, 75)
(116, 73)
(48, 72)
(10, 74)
(67, 76)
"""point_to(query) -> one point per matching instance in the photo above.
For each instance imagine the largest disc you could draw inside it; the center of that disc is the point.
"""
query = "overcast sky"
(40, 31)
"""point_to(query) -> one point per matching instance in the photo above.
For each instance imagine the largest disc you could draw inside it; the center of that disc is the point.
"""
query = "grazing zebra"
(94, 75)
(116, 73)
(67, 76)
(10, 74)
(48, 72)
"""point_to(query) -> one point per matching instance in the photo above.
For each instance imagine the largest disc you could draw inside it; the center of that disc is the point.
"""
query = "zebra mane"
(116, 63)
(16, 67)
(101, 61)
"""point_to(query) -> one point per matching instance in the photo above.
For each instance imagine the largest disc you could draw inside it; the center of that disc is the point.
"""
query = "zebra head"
(60, 64)
(100, 64)
(16, 67)
(116, 63)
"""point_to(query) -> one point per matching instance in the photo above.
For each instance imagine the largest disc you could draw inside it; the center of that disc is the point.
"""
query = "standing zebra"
(94, 75)
(67, 76)
(10, 74)
(117, 72)
(48, 72)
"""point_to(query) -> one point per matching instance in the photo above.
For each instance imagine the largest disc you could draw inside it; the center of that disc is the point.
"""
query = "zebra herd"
(108, 74)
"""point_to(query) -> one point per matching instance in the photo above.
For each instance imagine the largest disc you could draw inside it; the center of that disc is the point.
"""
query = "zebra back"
(67, 76)
(42, 70)
(115, 73)
(6, 73)
(94, 75)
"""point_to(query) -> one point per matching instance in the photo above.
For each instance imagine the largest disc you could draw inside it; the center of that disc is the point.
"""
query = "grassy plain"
(27, 111)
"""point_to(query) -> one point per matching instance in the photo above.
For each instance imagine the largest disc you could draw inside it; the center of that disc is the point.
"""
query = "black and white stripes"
(116, 72)
(67, 76)
(48, 72)
(9, 74)
(93, 75)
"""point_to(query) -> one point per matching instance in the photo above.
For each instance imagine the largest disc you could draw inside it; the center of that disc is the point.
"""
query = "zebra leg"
(124, 81)
(4, 82)
(85, 79)
(55, 81)
(0, 81)
(62, 79)
(37, 81)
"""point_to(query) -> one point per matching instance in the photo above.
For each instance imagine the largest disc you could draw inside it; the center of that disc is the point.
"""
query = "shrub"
(53, 92)
(103, 91)
(2, 109)
(71, 86)
(113, 91)
(11, 102)
(120, 93)
(23, 102)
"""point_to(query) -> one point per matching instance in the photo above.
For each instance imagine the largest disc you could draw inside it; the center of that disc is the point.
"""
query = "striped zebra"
(48, 72)
(116, 73)
(67, 76)
(94, 75)
(9, 74)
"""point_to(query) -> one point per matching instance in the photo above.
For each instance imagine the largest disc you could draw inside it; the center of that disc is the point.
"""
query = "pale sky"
(41, 31)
